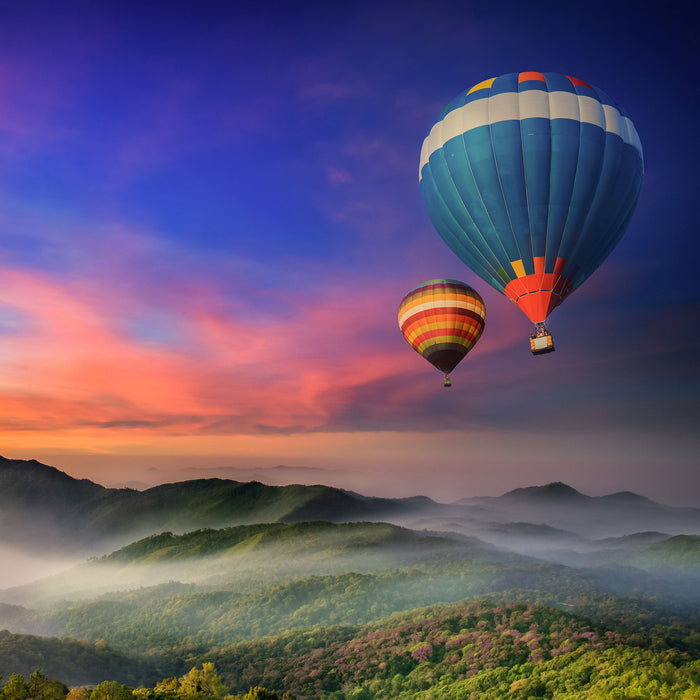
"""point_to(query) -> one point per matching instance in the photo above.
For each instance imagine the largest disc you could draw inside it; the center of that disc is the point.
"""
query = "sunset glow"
(207, 224)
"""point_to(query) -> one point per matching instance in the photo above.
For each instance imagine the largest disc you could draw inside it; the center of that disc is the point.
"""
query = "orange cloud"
(74, 362)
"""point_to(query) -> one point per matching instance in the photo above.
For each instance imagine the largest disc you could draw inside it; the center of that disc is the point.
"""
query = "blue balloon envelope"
(531, 179)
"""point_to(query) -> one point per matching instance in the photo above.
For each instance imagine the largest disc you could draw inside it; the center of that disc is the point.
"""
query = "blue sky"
(209, 215)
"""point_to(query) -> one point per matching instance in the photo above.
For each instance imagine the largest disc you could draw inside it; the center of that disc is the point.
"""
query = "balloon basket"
(542, 345)
(448, 382)
(541, 341)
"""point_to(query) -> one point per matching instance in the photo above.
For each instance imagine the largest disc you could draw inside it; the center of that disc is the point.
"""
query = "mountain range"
(152, 580)
(43, 508)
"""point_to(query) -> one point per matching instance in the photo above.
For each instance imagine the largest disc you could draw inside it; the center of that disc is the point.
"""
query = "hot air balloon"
(531, 179)
(442, 320)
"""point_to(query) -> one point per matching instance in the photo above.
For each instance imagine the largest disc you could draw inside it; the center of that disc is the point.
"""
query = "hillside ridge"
(44, 509)
(66, 510)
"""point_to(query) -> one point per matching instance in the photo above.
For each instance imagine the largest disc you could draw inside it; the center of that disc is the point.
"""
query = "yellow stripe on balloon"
(483, 84)
(518, 267)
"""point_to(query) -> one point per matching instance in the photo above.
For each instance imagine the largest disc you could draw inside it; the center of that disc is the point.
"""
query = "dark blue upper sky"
(210, 212)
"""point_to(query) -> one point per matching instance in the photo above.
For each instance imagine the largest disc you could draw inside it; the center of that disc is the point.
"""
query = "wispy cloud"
(83, 353)
(208, 219)
(319, 93)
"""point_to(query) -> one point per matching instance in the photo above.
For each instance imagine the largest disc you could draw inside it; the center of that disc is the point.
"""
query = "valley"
(306, 588)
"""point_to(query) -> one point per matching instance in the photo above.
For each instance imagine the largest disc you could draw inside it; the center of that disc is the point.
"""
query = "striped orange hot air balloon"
(442, 320)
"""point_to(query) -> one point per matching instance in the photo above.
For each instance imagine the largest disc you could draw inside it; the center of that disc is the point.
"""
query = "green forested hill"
(466, 650)
(472, 650)
(297, 537)
(338, 609)
(265, 579)
(253, 555)
(679, 553)
(250, 581)
(75, 662)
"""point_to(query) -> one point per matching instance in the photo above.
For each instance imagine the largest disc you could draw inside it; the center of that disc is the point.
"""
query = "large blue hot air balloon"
(531, 179)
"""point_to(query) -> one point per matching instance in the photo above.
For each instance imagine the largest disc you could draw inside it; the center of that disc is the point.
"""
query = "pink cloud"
(339, 175)
(180, 118)
(320, 93)
(321, 83)
(379, 156)
(30, 117)
(73, 361)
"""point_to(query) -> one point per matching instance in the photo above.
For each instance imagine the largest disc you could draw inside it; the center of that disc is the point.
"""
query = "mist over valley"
(152, 580)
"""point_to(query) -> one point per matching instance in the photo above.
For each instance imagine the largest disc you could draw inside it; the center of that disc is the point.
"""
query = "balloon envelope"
(531, 179)
(442, 320)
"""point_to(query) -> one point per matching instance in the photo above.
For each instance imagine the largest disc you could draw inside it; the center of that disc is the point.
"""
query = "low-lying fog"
(333, 551)
(19, 567)
(279, 552)
(250, 581)
(572, 530)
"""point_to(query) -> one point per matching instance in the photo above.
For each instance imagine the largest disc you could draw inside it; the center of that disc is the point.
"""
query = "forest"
(473, 649)
(494, 599)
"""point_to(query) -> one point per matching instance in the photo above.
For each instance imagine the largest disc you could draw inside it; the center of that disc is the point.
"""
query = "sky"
(210, 212)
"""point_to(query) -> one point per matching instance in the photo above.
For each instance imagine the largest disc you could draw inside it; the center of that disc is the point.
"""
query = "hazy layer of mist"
(223, 586)
(21, 567)
(216, 561)
(325, 553)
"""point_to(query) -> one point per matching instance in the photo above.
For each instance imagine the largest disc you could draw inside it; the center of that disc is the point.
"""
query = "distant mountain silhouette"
(44, 507)
(627, 497)
(40, 505)
(24, 481)
(556, 490)
(563, 507)
(638, 539)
